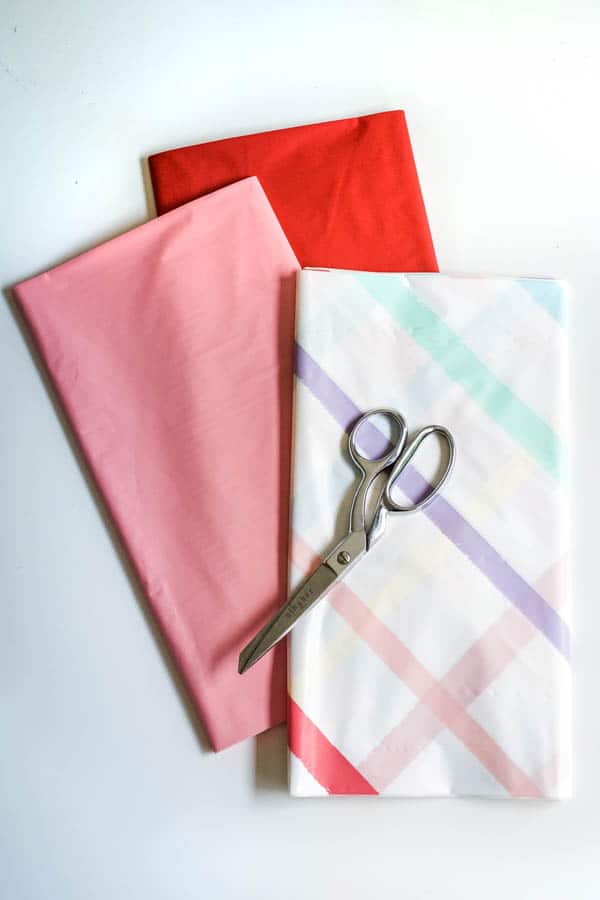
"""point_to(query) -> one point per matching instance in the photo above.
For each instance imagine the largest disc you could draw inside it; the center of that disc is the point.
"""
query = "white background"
(108, 789)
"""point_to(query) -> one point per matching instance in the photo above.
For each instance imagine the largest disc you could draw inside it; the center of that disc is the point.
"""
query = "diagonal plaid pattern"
(439, 667)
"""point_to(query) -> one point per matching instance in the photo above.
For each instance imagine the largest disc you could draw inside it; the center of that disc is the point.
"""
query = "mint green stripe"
(463, 366)
(548, 294)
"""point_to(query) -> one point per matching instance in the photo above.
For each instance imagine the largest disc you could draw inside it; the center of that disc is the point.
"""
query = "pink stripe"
(440, 702)
(553, 584)
(468, 678)
(488, 656)
(403, 663)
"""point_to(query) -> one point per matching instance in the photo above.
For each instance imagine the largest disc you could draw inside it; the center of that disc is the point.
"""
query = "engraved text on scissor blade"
(315, 587)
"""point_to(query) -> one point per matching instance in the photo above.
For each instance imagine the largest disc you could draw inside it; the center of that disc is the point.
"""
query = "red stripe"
(324, 761)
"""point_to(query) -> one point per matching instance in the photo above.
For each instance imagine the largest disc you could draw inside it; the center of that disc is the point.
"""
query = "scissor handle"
(371, 468)
(406, 456)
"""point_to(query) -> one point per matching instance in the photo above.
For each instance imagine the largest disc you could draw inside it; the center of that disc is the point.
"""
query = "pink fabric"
(171, 350)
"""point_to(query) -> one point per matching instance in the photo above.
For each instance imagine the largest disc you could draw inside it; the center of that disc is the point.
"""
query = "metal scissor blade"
(284, 620)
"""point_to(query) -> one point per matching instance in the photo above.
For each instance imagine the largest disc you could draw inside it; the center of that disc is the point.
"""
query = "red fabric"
(322, 759)
(346, 193)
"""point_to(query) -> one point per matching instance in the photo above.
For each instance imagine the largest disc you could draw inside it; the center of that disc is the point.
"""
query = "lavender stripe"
(442, 514)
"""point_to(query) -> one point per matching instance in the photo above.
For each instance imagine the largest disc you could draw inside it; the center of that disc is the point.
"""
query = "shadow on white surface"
(270, 761)
(148, 192)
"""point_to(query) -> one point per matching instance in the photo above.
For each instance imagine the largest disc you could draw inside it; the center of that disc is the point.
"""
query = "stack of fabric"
(440, 665)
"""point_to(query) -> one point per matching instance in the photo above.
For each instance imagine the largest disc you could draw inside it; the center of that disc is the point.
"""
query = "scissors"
(359, 537)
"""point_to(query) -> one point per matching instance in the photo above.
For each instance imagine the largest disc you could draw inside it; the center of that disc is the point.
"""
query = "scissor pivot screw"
(343, 557)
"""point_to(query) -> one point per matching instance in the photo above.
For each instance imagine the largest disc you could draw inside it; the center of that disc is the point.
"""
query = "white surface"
(107, 788)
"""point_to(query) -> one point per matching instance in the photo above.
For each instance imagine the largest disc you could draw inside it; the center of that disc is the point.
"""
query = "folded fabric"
(346, 192)
(171, 350)
(439, 666)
